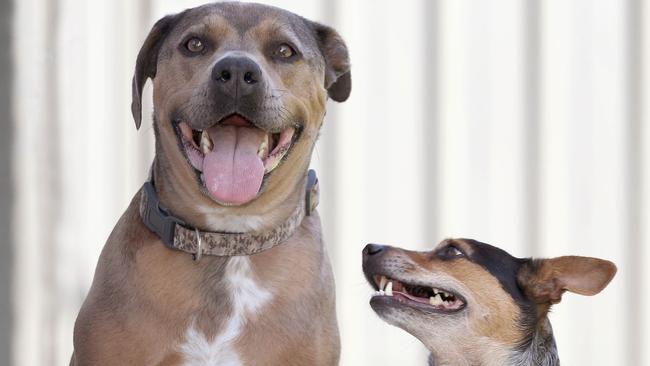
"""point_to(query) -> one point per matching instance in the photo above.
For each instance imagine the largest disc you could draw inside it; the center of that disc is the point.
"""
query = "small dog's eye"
(194, 45)
(284, 51)
(451, 252)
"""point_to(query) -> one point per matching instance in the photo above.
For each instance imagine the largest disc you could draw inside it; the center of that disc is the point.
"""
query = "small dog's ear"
(338, 81)
(145, 66)
(545, 280)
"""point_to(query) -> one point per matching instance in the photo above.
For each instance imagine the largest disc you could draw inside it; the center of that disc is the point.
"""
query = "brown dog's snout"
(237, 76)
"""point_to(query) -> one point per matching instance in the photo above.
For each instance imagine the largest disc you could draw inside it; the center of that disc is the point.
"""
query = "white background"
(519, 123)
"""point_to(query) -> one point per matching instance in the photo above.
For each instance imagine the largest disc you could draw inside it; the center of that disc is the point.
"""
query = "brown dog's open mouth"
(428, 298)
(233, 156)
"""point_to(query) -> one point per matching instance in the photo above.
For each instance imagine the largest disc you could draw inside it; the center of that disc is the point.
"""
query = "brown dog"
(239, 97)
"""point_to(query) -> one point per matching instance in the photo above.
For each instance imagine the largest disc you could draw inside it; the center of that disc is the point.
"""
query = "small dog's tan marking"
(496, 314)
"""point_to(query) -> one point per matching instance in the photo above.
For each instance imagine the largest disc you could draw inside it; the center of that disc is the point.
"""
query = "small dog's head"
(465, 295)
(239, 94)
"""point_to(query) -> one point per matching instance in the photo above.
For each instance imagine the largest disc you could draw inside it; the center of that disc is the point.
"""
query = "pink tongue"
(232, 171)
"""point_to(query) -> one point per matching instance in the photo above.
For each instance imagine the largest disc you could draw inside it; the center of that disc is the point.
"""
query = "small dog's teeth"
(382, 283)
(389, 288)
(435, 300)
(435, 291)
(206, 142)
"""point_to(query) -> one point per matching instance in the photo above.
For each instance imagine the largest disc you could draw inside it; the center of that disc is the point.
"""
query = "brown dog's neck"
(179, 192)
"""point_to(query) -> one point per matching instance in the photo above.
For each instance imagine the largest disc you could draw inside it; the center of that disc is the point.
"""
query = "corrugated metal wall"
(519, 123)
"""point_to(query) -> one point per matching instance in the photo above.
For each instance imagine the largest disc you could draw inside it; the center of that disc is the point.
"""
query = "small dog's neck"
(540, 351)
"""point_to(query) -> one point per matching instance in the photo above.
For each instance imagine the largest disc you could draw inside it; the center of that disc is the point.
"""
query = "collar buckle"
(156, 218)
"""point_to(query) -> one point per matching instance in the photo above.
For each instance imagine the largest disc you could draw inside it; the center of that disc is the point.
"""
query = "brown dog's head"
(239, 96)
(467, 300)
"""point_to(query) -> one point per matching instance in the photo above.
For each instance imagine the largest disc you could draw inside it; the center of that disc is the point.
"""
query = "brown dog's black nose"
(237, 74)
(372, 249)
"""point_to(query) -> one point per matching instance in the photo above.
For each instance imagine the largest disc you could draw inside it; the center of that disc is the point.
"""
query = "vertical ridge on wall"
(7, 186)
(634, 137)
(30, 104)
(531, 118)
(52, 188)
(76, 252)
(145, 136)
(642, 258)
(326, 154)
(431, 120)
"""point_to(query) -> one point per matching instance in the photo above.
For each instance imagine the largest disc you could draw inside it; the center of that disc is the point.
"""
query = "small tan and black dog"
(474, 304)
(219, 260)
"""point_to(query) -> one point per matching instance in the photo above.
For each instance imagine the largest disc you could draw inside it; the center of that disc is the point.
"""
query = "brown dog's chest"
(251, 309)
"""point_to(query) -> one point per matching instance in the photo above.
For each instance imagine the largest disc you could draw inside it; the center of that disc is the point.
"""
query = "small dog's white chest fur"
(246, 298)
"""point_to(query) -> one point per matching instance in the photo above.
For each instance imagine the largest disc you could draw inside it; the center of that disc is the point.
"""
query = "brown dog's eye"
(284, 51)
(194, 45)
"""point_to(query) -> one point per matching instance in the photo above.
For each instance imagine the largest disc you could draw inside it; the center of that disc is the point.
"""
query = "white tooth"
(389, 288)
(382, 283)
(264, 147)
(271, 163)
(435, 300)
(206, 142)
(435, 291)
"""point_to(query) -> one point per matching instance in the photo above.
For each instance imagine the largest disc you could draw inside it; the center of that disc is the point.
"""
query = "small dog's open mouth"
(428, 298)
(234, 156)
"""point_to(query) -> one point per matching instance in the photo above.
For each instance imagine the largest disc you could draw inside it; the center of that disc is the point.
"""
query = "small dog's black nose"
(372, 249)
(238, 74)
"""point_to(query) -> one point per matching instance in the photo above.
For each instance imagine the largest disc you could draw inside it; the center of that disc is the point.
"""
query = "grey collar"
(178, 235)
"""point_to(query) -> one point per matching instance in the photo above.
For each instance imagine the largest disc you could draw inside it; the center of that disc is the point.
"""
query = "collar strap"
(178, 235)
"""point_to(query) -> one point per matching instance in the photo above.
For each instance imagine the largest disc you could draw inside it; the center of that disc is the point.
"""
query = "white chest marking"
(246, 298)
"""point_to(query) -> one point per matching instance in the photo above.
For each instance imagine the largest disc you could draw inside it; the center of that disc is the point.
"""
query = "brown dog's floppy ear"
(338, 81)
(145, 66)
(545, 280)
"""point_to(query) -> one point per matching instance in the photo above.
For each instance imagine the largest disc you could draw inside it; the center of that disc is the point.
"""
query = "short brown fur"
(145, 296)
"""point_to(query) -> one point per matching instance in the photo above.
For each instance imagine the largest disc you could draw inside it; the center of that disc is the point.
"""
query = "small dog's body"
(219, 260)
(474, 304)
